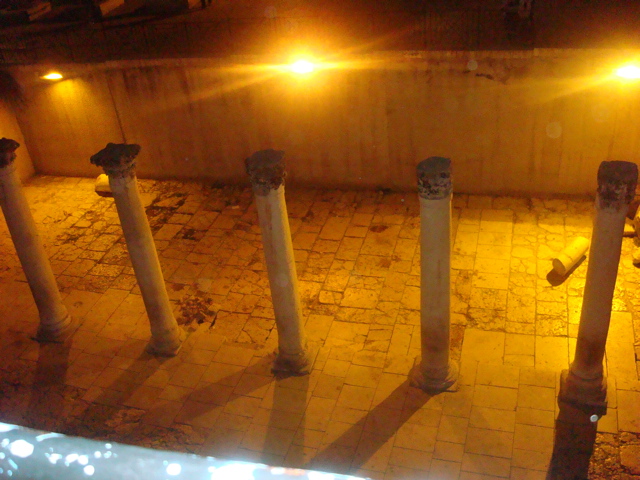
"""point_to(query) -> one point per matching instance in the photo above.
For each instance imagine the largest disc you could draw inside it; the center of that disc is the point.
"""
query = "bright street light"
(52, 76)
(629, 72)
(302, 67)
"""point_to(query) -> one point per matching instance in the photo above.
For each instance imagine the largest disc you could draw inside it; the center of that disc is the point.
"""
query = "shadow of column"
(105, 414)
(575, 436)
(366, 449)
(288, 409)
(270, 432)
(51, 399)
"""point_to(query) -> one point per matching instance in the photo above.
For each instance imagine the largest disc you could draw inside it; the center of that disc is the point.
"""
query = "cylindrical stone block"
(119, 164)
(585, 383)
(434, 371)
(267, 173)
(55, 322)
(567, 259)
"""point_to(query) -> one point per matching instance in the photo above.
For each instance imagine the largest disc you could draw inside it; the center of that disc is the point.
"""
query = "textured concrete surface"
(358, 263)
(346, 127)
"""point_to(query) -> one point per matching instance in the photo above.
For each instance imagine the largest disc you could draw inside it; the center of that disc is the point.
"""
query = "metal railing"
(456, 29)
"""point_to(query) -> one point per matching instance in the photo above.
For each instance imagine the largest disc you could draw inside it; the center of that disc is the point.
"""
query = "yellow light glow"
(52, 76)
(302, 67)
(629, 72)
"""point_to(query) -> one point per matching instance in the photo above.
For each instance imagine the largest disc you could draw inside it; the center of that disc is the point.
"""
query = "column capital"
(8, 149)
(434, 178)
(266, 170)
(117, 159)
(617, 182)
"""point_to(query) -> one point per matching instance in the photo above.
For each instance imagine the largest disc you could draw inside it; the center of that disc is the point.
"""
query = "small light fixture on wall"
(52, 76)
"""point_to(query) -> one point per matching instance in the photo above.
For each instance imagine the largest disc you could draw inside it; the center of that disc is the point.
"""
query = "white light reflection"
(5, 427)
(235, 471)
(321, 476)
(174, 469)
(46, 436)
(53, 457)
(21, 448)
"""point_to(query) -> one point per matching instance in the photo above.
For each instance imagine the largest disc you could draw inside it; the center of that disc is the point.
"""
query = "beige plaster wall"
(9, 129)
(512, 122)
(66, 122)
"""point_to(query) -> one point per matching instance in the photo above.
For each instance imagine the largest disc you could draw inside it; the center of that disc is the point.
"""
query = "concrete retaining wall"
(512, 122)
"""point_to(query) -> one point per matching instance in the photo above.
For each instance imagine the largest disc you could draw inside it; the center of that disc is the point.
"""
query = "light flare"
(52, 76)
(302, 67)
(629, 72)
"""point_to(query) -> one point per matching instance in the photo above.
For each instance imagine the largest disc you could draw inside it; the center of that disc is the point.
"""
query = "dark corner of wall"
(12, 100)
(11, 92)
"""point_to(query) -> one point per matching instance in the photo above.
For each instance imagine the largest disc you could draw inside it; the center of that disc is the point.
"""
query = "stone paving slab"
(357, 257)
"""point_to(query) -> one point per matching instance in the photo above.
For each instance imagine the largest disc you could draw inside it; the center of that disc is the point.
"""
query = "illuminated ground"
(358, 266)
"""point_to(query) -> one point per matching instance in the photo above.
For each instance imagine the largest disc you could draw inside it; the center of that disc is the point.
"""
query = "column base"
(296, 364)
(589, 396)
(434, 381)
(57, 333)
(166, 347)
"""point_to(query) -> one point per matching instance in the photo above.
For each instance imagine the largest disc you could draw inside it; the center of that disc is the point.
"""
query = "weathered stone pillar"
(435, 372)
(55, 323)
(636, 226)
(118, 162)
(266, 170)
(584, 383)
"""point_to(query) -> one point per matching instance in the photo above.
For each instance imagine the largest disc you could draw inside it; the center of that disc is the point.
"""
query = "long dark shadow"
(292, 403)
(264, 442)
(575, 436)
(365, 450)
(48, 401)
(97, 417)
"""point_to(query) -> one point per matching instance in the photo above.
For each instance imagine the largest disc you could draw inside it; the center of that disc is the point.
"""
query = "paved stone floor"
(514, 329)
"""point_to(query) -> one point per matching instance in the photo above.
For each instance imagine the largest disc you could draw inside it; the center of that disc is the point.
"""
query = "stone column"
(266, 171)
(55, 323)
(118, 162)
(584, 383)
(435, 372)
(636, 226)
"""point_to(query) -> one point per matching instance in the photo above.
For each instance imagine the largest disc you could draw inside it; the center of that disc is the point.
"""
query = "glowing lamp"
(302, 67)
(629, 72)
(52, 76)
